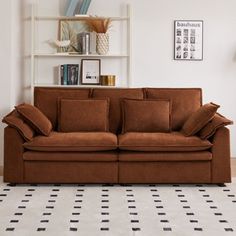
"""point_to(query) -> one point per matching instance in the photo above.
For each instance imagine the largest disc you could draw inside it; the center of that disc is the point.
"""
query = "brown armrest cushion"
(35, 118)
(85, 115)
(14, 120)
(217, 122)
(146, 115)
(199, 119)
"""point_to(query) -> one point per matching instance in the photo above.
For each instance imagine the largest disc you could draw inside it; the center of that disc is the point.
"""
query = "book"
(68, 74)
(71, 7)
(86, 6)
(82, 8)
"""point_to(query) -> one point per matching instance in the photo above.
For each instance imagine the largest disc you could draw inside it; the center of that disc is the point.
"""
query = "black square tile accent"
(11, 185)
(180, 195)
(131, 200)
(231, 195)
(31, 190)
(105, 207)
(105, 190)
(234, 201)
(105, 195)
(209, 201)
(3, 195)
(80, 185)
(156, 195)
(164, 221)
(213, 207)
(21, 207)
(226, 190)
(190, 214)
(129, 190)
(193, 221)
(129, 195)
(157, 200)
(198, 185)
(178, 190)
(51, 200)
(161, 213)
(56, 190)
(104, 229)
(221, 185)
(198, 229)
(186, 207)
(57, 185)
(133, 213)
(74, 221)
(202, 190)
(73, 229)
(229, 229)
(77, 207)
(18, 214)
(105, 221)
(134, 221)
(53, 195)
(175, 185)
(218, 214)
(105, 200)
(47, 213)
(28, 195)
(49, 207)
(153, 190)
(104, 213)
(14, 221)
(44, 221)
(183, 201)
(132, 207)
(25, 201)
(136, 229)
(159, 207)
(1, 200)
(41, 229)
(79, 195)
(167, 229)
(6, 189)
(10, 229)
(75, 213)
(223, 221)
(206, 195)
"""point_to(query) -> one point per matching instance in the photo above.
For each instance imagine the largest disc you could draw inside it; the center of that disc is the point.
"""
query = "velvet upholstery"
(116, 96)
(46, 99)
(76, 141)
(211, 127)
(14, 120)
(83, 115)
(184, 102)
(168, 142)
(199, 119)
(35, 118)
(146, 115)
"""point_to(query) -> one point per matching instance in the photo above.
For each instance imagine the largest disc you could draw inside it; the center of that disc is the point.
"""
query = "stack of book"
(69, 74)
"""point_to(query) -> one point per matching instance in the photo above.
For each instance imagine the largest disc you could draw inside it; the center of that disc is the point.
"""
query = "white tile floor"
(93, 210)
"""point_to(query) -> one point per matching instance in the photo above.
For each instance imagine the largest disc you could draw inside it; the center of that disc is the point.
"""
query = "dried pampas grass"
(99, 25)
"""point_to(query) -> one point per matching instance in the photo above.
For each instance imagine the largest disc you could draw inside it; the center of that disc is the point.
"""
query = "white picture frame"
(188, 40)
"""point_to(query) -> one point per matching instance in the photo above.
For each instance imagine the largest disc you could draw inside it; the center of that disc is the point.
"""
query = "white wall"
(152, 46)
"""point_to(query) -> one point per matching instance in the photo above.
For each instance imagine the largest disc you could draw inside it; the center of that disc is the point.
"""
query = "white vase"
(102, 43)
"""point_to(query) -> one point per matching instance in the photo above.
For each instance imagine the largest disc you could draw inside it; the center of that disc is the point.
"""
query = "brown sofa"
(112, 157)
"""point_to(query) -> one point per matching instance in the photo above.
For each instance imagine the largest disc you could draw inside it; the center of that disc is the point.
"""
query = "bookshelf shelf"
(44, 61)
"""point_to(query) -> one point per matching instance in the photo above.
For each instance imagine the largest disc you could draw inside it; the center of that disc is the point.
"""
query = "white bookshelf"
(39, 56)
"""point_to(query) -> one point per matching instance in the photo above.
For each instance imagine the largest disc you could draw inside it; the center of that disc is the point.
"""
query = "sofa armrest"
(220, 166)
(13, 156)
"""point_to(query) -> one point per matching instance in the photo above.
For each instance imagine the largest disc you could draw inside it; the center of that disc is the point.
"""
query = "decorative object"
(84, 41)
(69, 30)
(90, 71)
(188, 43)
(72, 5)
(100, 26)
(108, 80)
(62, 46)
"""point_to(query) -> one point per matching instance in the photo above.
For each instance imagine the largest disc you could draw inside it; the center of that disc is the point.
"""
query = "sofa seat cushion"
(82, 141)
(131, 156)
(174, 141)
(71, 156)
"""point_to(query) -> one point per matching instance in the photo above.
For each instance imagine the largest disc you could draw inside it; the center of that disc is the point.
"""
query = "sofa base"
(165, 172)
(70, 172)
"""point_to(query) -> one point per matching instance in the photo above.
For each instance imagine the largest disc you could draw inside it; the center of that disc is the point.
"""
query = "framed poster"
(90, 71)
(188, 43)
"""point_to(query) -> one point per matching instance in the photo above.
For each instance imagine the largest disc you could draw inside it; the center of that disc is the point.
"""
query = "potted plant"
(100, 26)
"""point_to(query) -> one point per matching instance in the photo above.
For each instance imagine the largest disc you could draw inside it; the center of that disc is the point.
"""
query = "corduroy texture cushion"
(199, 119)
(86, 115)
(146, 115)
(217, 122)
(14, 120)
(73, 142)
(35, 118)
(161, 142)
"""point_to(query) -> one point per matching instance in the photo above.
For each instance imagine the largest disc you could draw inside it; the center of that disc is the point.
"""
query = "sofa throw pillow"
(14, 120)
(199, 119)
(86, 115)
(146, 115)
(211, 127)
(35, 118)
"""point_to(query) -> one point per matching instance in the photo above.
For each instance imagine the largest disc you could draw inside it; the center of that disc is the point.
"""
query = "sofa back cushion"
(116, 96)
(185, 101)
(46, 100)
(146, 115)
(87, 115)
